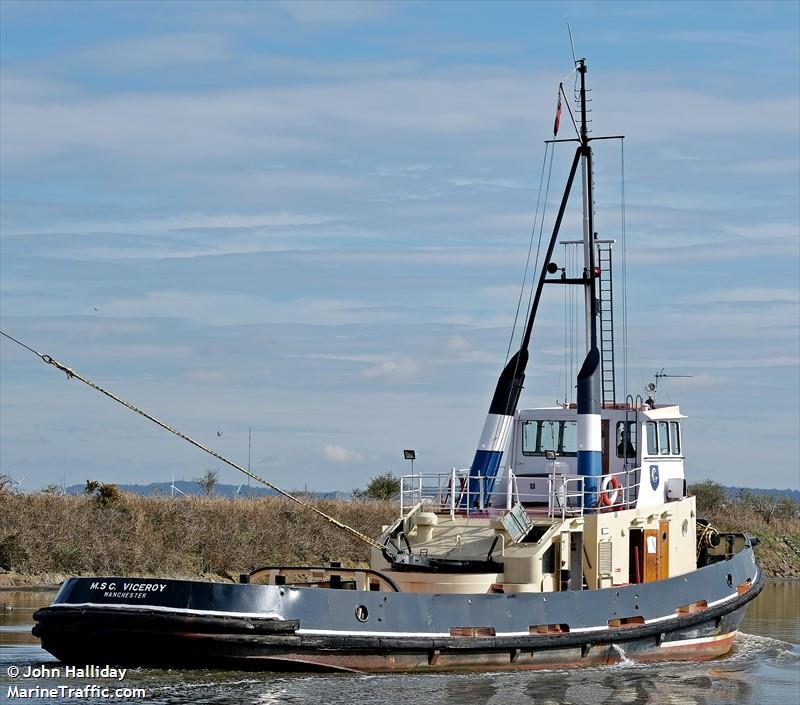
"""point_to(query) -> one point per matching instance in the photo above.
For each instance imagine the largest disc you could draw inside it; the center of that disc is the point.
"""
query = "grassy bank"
(776, 522)
(51, 535)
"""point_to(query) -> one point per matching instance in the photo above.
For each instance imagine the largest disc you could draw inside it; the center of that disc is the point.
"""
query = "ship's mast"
(588, 217)
(590, 464)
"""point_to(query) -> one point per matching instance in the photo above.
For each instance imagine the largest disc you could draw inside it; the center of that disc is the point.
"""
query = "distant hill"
(734, 491)
(192, 488)
(221, 490)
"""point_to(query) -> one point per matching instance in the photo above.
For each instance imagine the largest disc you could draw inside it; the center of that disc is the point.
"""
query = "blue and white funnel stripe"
(488, 457)
(590, 444)
(496, 431)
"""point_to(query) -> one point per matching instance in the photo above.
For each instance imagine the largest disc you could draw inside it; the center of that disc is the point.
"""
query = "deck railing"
(555, 494)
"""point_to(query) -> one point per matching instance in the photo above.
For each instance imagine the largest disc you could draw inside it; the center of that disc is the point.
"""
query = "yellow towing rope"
(72, 374)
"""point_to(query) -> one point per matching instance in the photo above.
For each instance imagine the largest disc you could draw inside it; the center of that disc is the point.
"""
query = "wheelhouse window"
(561, 437)
(626, 439)
(675, 437)
(652, 438)
(663, 438)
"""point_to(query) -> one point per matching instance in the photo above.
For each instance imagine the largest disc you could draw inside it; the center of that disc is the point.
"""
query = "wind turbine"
(173, 489)
(17, 483)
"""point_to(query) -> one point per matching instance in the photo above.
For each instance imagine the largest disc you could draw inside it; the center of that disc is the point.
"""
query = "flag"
(558, 114)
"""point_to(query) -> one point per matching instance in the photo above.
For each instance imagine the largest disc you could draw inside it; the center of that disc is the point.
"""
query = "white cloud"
(762, 295)
(466, 182)
(401, 369)
(220, 123)
(338, 454)
(458, 344)
(218, 308)
(339, 12)
(147, 53)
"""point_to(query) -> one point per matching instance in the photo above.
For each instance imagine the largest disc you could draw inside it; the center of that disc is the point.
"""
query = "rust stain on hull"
(513, 660)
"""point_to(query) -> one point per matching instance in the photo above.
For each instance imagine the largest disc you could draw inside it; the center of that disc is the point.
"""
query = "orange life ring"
(608, 489)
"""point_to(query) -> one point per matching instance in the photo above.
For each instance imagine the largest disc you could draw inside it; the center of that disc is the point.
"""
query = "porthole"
(362, 613)
(685, 527)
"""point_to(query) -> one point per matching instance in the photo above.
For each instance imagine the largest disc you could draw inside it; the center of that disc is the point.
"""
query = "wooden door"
(663, 550)
(650, 555)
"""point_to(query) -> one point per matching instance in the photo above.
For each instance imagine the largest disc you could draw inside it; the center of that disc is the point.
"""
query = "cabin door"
(604, 443)
(650, 555)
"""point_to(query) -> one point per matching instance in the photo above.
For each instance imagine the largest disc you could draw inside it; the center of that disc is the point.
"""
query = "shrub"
(104, 494)
(208, 482)
(709, 495)
(382, 487)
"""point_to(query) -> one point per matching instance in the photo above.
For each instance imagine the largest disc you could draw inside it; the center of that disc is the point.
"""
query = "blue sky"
(312, 219)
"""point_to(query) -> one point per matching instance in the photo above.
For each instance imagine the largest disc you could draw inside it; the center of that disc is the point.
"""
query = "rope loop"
(55, 363)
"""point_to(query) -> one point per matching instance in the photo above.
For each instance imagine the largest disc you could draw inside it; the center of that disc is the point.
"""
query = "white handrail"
(458, 492)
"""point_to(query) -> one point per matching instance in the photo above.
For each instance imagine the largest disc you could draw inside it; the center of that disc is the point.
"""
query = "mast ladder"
(606, 306)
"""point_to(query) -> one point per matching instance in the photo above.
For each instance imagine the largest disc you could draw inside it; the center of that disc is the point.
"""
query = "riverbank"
(45, 537)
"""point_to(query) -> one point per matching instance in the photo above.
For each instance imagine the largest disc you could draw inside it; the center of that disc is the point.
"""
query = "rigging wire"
(528, 258)
(541, 230)
(566, 331)
(73, 374)
(569, 109)
(508, 430)
(505, 432)
(624, 274)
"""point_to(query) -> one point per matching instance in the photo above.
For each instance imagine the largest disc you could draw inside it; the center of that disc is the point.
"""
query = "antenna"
(661, 375)
(652, 387)
(572, 44)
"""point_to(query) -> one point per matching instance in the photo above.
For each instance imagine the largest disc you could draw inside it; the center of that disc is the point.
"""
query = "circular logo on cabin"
(654, 476)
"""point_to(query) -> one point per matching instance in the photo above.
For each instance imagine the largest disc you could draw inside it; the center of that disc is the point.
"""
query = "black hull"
(131, 641)
(160, 636)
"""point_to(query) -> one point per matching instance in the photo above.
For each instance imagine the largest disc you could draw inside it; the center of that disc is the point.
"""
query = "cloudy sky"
(312, 219)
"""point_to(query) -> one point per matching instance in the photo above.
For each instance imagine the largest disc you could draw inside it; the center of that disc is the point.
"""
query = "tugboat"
(570, 541)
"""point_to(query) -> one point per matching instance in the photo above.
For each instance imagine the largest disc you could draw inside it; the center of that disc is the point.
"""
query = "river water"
(764, 667)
